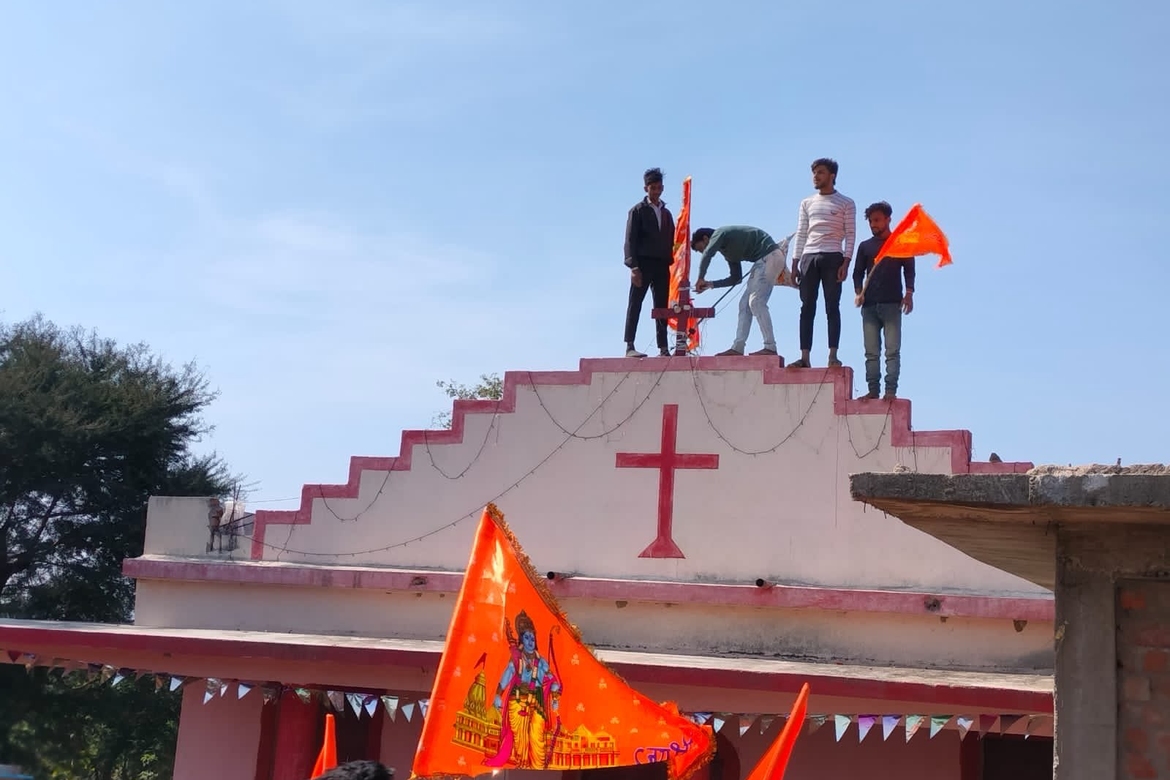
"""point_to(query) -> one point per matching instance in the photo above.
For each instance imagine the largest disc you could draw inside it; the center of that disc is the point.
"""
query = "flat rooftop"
(1008, 520)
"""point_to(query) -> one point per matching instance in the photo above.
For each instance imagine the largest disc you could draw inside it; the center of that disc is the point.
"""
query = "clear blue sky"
(331, 206)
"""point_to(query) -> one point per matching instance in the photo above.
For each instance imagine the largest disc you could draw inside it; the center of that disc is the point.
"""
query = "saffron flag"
(680, 271)
(772, 764)
(917, 234)
(327, 758)
(517, 688)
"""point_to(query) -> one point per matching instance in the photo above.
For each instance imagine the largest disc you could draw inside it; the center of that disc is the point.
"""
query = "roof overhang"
(1009, 520)
(410, 664)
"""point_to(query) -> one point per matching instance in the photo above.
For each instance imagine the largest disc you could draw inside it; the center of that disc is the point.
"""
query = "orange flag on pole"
(327, 758)
(681, 270)
(917, 234)
(772, 764)
(517, 688)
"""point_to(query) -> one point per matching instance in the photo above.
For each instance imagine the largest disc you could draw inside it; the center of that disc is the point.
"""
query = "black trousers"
(821, 273)
(656, 278)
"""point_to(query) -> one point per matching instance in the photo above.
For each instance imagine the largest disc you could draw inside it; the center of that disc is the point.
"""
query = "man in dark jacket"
(882, 302)
(649, 254)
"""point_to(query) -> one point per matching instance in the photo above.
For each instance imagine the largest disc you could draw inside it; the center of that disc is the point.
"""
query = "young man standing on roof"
(742, 244)
(825, 233)
(649, 254)
(881, 301)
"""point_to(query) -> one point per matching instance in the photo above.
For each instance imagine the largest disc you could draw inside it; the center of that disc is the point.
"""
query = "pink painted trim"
(770, 597)
(1003, 700)
(901, 433)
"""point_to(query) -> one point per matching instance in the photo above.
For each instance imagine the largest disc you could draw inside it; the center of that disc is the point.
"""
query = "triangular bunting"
(1033, 725)
(987, 723)
(210, 690)
(717, 722)
(408, 711)
(107, 670)
(269, 693)
(913, 722)
(30, 661)
(1008, 722)
(815, 722)
(423, 706)
(938, 723)
(744, 724)
(160, 681)
(355, 703)
(242, 690)
(864, 724)
(889, 723)
(700, 717)
(176, 683)
(841, 723)
(506, 622)
(391, 705)
(117, 678)
(304, 694)
(370, 705)
(964, 725)
(223, 688)
(336, 700)
(766, 722)
(14, 656)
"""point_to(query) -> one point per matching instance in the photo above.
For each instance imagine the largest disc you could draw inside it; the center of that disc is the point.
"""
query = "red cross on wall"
(667, 460)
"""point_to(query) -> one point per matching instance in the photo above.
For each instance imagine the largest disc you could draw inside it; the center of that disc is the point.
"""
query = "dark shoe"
(768, 352)
(664, 353)
(802, 363)
(835, 363)
(633, 353)
(889, 396)
(872, 395)
(730, 353)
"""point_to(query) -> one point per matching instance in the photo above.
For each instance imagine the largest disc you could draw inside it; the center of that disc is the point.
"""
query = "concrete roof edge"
(1042, 487)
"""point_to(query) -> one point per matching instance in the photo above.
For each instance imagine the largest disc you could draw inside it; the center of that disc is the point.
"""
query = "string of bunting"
(361, 703)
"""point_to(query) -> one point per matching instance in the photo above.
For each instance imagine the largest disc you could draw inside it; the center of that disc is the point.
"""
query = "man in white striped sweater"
(825, 233)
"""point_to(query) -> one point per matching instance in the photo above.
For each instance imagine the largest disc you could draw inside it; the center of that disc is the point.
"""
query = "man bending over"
(741, 244)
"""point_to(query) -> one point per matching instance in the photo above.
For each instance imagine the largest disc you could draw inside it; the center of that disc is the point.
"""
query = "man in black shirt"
(649, 254)
(881, 300)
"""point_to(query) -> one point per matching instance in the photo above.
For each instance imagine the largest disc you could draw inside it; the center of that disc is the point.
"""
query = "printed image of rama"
(521, 727)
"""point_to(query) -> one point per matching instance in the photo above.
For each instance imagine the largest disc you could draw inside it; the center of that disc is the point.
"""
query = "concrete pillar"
(298, 737)
(1086, 669)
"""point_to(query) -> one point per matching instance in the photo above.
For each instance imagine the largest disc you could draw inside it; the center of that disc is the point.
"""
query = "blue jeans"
(876, 319)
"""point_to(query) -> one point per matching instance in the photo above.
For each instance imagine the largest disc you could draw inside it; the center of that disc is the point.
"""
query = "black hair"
(358, 770)
(881, 206)
(652, 176)
(829, 163)
(701, 233)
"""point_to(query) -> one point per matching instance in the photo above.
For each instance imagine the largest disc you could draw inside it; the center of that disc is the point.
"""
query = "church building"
(693, 518)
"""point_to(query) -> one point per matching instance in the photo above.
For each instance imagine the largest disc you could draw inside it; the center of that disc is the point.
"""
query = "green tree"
(89, 430)
(489, 387)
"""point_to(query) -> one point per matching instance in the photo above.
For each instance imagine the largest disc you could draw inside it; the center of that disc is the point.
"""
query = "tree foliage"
(489, 387)
(89, 430)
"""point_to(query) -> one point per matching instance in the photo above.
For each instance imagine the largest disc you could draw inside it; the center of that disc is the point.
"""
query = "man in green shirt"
(742, 244)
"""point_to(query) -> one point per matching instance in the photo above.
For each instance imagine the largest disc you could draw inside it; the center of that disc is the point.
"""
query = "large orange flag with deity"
(917, 234)
(517, 688)
(773, 763)
(681, 270)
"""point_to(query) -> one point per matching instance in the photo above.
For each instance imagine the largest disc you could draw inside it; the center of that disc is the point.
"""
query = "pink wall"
(219, 739)
(819, 757)
(399, 741)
